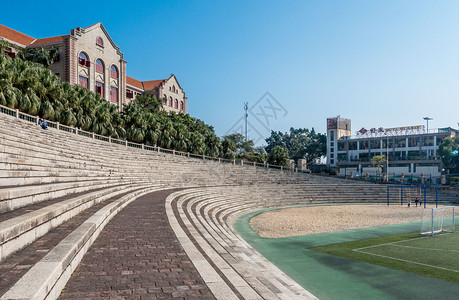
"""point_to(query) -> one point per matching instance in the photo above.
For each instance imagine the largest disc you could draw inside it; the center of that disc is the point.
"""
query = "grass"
(435, 257)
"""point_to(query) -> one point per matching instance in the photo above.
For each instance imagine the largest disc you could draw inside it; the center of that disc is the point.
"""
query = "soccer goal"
(436, 220)
(415, 193)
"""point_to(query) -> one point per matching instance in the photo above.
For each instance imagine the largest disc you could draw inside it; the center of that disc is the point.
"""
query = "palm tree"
(38, 55)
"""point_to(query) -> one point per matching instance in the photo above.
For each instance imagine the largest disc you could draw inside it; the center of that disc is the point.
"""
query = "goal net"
(436, 220)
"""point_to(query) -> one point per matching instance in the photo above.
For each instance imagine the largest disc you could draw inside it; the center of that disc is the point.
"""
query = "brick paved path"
(137, 256)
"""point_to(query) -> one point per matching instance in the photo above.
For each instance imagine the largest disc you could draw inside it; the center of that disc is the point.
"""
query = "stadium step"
(42, 269)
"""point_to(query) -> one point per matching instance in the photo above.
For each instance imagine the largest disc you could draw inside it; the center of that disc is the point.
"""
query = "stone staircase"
(58, 191)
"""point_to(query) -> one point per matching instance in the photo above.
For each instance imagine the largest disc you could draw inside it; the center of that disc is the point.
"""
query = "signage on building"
(375, 132)
(332, 123)
(405, 128)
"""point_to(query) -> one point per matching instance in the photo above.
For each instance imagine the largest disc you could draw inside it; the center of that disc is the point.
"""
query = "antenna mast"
(246, 116)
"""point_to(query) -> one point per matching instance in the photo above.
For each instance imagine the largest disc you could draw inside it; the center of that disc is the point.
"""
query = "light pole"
(427, 119)
(387, 157)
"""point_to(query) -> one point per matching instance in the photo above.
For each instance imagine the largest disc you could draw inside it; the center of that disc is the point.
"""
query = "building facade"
(410, 149)
(169, 90)
(89, 57)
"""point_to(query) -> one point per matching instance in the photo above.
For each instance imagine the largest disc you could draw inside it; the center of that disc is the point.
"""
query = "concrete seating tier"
(199, 217)
(49, 177)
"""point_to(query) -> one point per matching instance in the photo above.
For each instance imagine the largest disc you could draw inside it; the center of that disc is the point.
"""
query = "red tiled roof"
(48, 40)
(152, 84)
(15, 36)
(134, 82)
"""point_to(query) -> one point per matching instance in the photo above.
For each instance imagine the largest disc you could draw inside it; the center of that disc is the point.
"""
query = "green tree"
(301, 143)
(241, 146)
(279, 156)
(449, 153)
(39, 55)
(378, 162)
(4, 45)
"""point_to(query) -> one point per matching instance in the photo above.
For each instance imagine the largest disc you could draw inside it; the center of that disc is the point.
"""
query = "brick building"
(89, 57)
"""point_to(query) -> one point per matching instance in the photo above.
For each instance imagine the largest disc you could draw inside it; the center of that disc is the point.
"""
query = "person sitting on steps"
(43, 124)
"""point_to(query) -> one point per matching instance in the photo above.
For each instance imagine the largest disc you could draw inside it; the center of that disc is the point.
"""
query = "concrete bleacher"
(48, 177)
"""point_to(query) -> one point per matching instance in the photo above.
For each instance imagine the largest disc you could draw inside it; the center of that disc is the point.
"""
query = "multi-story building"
(410, 149)
(169, 90)
(89, 57)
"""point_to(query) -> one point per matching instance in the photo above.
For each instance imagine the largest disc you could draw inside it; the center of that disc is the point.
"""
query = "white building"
(411, 150)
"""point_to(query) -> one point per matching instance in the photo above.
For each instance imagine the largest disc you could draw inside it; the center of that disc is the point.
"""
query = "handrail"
(74, 130)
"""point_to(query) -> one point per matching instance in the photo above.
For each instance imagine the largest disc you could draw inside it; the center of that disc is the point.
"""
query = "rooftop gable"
(48, 40)
(134, 82)
(15, 36)
(101, 26)
(152, 84)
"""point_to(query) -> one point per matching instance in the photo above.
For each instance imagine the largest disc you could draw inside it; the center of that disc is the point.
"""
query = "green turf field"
(331, 277)
(436, 256)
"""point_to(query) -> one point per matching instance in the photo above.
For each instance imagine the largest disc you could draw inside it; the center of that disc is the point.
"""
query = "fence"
(73, 130)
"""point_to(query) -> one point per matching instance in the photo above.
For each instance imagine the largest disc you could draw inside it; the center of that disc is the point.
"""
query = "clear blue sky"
(379, 63)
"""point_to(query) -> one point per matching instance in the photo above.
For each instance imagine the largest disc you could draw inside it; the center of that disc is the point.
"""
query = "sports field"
(432, 256)
(379, 262)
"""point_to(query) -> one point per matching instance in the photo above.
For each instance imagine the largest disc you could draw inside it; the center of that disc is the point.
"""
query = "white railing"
(73, 130)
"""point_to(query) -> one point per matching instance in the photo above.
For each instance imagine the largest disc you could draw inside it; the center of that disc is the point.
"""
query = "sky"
(296, 63)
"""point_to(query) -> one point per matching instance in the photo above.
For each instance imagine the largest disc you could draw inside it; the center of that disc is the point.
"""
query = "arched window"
(99, 66)
(170, 101)
(164, 99)
(99, 41)
(114, 94)
(83, 81)
(113, 72)
(181, 105)
(83, 60)
(173, 88)
(100, 88)
(176, 104)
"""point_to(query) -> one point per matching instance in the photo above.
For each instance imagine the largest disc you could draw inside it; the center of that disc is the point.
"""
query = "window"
(428, 141)
(376, 144)
(332, 161)
(400, 143)
(56, 58)
(387, 143)
(100, 42)
(164, 99)
(413, 142)
(113, 72)
(363, 145)
(176, 104)
(353, 145)
(99, 66)
(342, 146)
(342, 157)
(10, 53)
(173, 88)
(83, 81)
(100, 88)
(181, 106)
(83, 60)
(170, 101)
(113, 94)
(129, 94)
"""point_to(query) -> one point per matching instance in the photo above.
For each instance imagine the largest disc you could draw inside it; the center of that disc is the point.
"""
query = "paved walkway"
(137, 256)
